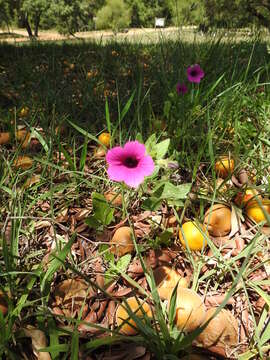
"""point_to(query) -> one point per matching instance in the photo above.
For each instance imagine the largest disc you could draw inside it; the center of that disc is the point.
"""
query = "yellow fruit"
(24, 112)
(166, 279)
(136, 305)
(190, 310)
(246, 197)
(255, 212)
(193, 235)
(105, 138)
(224, 166)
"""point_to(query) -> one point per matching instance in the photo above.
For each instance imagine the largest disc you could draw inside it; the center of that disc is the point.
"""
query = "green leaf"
(104, 251)
(123, 263)
(127, 106)
(162, 148)
(150, 143)
(75, 345)
(55, 264)
(152, 203)
(172, 307)
(102, 210)
(92, 222)
(168, 190)
(139, 138)
(83, 154)
(96, 343)
(40, 139)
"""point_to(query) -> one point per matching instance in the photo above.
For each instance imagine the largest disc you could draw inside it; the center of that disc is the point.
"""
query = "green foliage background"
(69, 16)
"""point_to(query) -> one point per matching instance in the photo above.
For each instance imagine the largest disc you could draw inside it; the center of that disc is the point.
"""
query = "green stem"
(124, 205)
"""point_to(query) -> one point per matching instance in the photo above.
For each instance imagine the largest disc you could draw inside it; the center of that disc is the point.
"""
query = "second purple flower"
(195, 73)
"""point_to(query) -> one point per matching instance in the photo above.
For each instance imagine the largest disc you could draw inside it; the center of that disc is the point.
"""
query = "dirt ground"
(20, 35)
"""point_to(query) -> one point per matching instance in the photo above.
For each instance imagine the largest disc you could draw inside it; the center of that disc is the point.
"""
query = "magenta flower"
(129, 163)
(181, 88)
(195, 73)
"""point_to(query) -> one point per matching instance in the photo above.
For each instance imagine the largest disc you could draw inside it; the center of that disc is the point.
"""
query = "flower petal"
(115, 155)
(134, 178)
(146, 166)
(117, 173)
(134, 148)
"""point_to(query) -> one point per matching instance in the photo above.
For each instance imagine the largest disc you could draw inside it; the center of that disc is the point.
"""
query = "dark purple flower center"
(131, 162)
(194, 73)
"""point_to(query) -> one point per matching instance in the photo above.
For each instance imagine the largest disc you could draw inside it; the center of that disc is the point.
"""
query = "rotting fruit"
(221, 331)
(224, 166)
(218, 220)
(105, 139)
(139, 308)
(254, 210)
(121, 242)
(244, 198)
(166, 279)
(190, 310)
(193, 234)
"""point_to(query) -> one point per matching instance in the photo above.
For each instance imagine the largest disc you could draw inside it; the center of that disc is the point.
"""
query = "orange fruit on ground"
(193, 235)
(255, 212)
(139, 309)
(121, 242)
(4, 138)
(105, 138)
(190, 310)
(166, 279)
(217, 219)
(224, 166)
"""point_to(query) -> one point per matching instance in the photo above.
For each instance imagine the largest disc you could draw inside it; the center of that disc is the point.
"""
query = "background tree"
(71, 16)
(5, 14)
(32, 11)
(115, 15)
(188, 12)
(237, 13)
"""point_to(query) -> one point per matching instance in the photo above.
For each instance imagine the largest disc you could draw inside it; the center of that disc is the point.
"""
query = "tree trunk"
(37, 21)
(27, 26)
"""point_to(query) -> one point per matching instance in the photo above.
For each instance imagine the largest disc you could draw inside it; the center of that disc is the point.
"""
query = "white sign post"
(159, 22)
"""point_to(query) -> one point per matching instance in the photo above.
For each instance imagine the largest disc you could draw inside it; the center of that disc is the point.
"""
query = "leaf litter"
(93, 301)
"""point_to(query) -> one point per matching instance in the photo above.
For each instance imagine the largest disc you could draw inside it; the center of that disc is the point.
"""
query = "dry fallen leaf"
(39, 341)
(23, 162)
(72, 296)
(32, 180)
